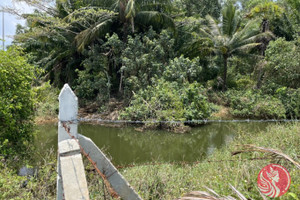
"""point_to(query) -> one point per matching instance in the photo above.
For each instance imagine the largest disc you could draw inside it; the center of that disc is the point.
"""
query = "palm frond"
(273, 152)
(96, 31)
(164, 7)
(231, 19)
(130, 9)
(213, 26)
(250, 29)
(258, 37)
(245, 47)
(201, 46)
(206, 33)
(155, 19)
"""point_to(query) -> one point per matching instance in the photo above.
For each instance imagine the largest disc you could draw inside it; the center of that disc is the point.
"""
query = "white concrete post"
(68, 110)
(71, 180)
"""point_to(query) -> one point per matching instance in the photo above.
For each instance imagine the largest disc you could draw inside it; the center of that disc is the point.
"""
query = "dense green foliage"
(290, 100)
(46, 105)
(251, 104)
(283, 61)
(16, 101)
(114, 49)
(160, 60)
(169, 101)
(138, 61)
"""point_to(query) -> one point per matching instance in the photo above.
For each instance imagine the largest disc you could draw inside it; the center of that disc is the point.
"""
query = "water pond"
(127, 146)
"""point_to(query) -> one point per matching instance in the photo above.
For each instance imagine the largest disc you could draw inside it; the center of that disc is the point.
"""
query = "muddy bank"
(92, 115)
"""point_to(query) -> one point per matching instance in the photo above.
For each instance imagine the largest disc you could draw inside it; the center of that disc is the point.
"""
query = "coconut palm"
(228, 38)
(57, 41)
(264, 10)
(125, 14)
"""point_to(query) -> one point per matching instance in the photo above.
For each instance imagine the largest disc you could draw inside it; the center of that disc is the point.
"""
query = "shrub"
(283, 63)
(42, 186)
(46, 101)
(16, 100)
(183, 70)
(290, 98)
(93, 81)
(167, 101)
(244, 82)
(251, 104)
(144, 58)
(118, 67)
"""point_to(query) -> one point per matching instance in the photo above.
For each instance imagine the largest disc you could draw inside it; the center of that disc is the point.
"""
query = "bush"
(183, 70)
(144, 58)
(244, 82)
(16, 100)
(93, 81)
(290, 98)
(118, 67)
(46, 101)
(167, 101)
(42, 186)
(251, 104)
(283, 63)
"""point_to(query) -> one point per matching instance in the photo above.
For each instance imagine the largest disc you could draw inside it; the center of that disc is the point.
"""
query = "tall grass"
(172, 181)
(169, 181)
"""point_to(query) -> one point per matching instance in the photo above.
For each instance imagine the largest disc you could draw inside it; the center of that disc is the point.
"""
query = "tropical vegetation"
(158, 180)
(16, 101)
(153, 60)
(110, 50)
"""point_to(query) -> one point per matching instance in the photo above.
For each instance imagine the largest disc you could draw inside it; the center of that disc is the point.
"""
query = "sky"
(11, 21)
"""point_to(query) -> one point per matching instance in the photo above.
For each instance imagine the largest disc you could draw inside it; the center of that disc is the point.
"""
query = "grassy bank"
(168, 181)
(171, 181)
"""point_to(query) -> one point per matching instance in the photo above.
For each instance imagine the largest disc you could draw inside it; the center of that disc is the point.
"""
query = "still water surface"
(126, 146)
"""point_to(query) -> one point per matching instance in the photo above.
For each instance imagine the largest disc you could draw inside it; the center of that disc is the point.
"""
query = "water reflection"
(125, 145)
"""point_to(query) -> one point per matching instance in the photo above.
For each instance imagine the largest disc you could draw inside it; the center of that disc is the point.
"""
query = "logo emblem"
(273, 180)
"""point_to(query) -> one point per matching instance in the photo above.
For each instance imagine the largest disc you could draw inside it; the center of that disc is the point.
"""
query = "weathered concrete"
(59, 186)
(73, 176)
(117, 181)
(68, 104)
(62, 133)
(68, 147)
(68, 110)
(71, 180)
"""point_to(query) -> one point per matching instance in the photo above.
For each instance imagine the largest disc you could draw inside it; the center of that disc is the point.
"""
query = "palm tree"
(140, 13)
(264, 10)
(228, 38)
(56, 40)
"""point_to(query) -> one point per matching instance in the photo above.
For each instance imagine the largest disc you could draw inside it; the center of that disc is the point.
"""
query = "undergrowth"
(168, 181)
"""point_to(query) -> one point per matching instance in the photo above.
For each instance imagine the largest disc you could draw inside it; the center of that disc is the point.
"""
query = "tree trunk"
(224, 87)
(132, 25)
(263, 47)
(120, 84)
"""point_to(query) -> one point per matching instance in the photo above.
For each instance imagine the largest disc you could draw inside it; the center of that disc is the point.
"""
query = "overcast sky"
(11, 21)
